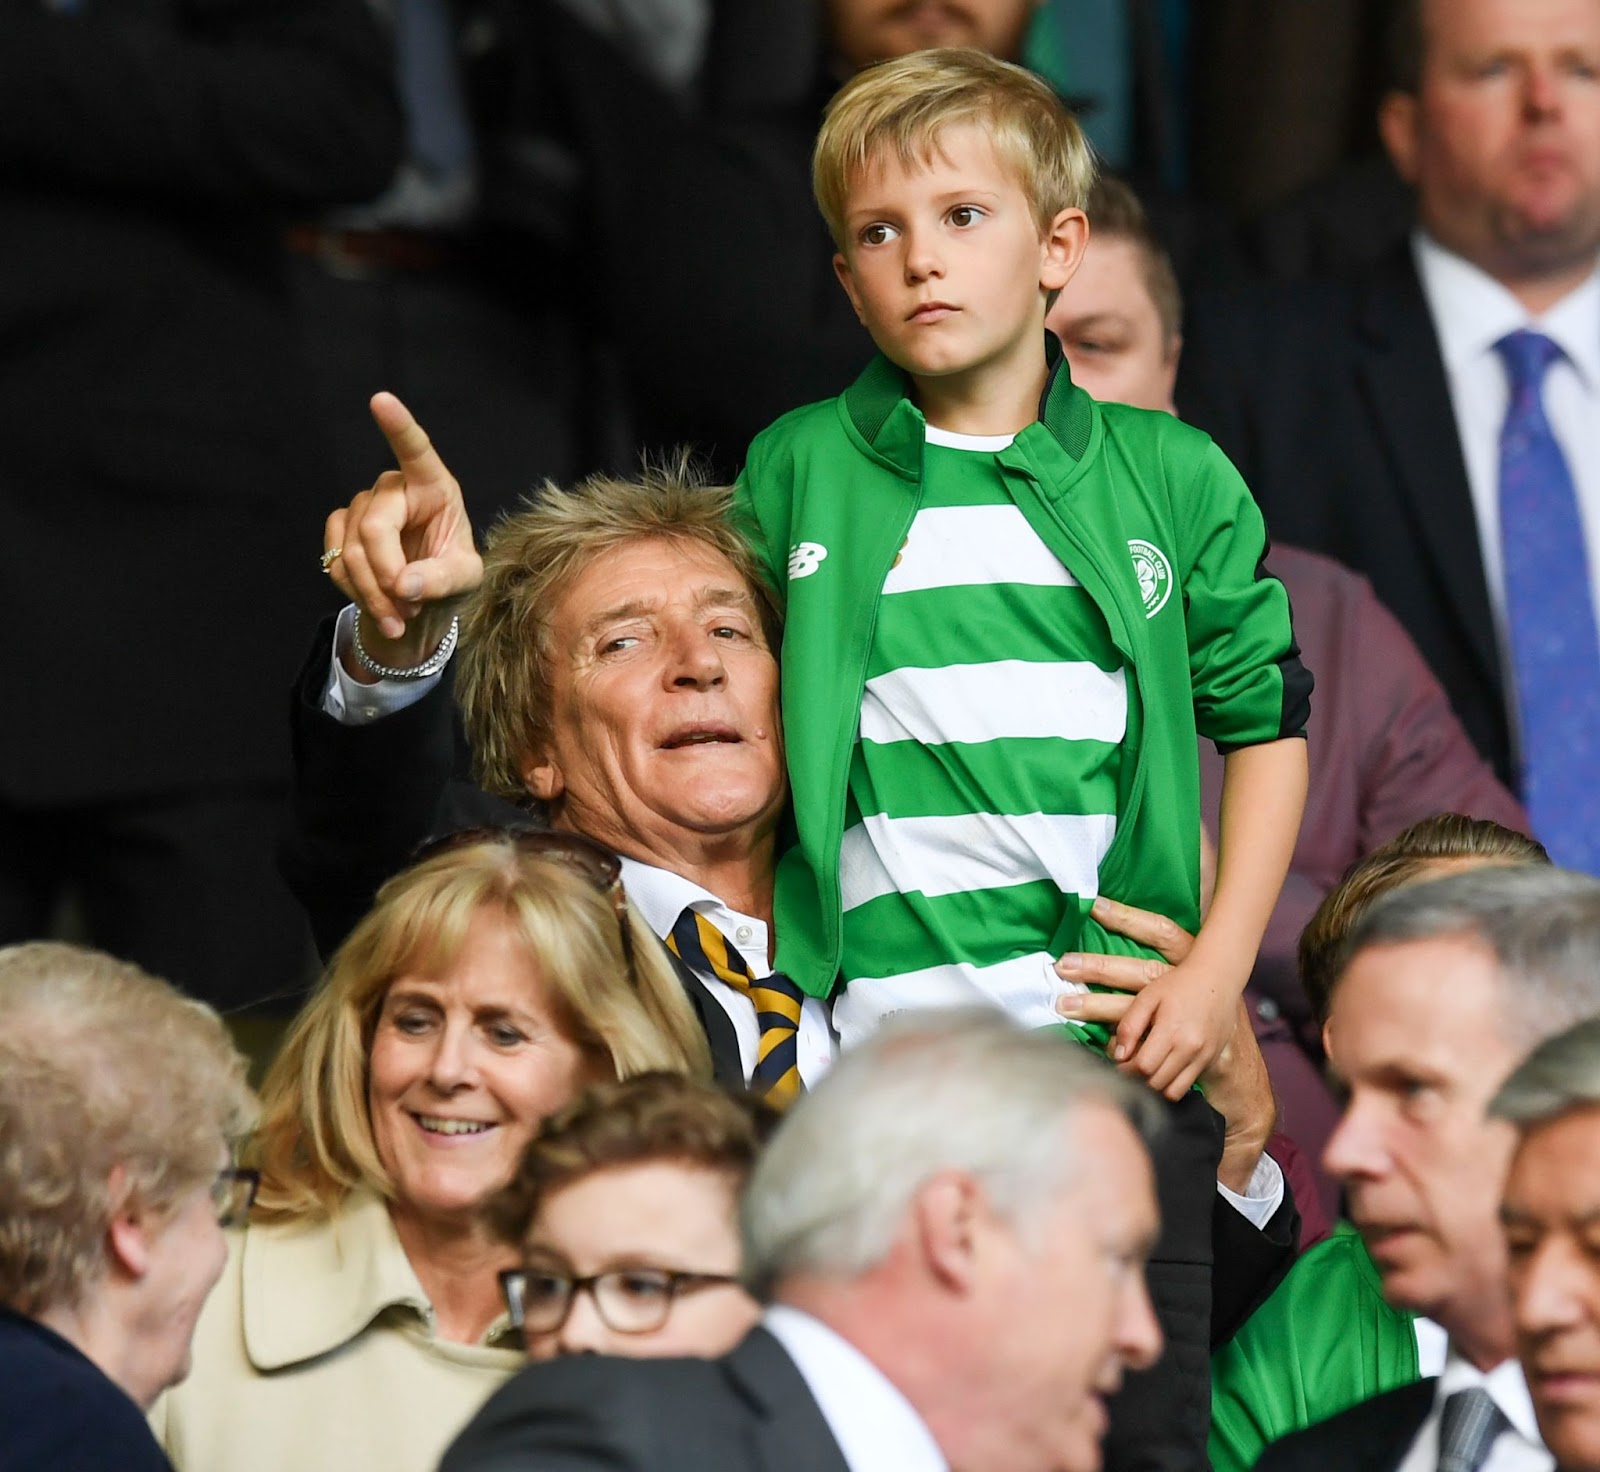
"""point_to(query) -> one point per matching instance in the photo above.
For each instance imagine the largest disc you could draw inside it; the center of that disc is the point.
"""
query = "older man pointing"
(616, 671)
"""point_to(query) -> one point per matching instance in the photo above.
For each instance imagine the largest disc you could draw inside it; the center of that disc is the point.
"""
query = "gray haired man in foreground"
(951, 1232)
(1551, 1214)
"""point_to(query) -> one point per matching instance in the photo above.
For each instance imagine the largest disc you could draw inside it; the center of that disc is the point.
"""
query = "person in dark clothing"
(120, 1102)
(152, 413)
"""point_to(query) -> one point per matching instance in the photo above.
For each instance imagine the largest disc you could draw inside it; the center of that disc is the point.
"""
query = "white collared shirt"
(1471, 312)
(660, 896)
(1516, 1450)
(875, 1425)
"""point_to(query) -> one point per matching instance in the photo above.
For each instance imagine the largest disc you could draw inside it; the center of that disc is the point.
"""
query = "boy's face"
(946, 266)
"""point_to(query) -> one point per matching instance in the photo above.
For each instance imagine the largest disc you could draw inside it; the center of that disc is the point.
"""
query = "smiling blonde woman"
(359, 1322)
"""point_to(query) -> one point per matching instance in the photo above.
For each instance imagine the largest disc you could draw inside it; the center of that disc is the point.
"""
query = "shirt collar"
(1506, 1388)
(1472, 312)
(309, 1287)
(874, 1424)
(660, 897)
(879, 409)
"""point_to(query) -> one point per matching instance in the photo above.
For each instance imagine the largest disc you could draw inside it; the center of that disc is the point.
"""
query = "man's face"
(665, 738)
(1502, 140)
(1109, 328)
(945, 264)
(861, 32)
(1552, 1220)
(1077, 1313)
(1418, 1035)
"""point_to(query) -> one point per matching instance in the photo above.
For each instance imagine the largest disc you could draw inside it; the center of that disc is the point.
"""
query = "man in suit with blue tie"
(1431, 422)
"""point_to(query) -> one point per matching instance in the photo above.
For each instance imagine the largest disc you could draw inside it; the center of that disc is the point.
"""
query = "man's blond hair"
(902, 107)
(531, 559)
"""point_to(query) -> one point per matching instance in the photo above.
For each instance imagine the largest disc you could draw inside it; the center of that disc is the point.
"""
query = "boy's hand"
(1236, 1082)
(1176, 1028)
(1162, 1034)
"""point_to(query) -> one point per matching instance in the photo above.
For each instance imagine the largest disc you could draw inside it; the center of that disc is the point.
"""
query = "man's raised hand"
(406, 552)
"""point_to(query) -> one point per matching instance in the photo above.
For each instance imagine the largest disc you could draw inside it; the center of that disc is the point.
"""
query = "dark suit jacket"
(1331, 398)
(60, 1413)
(1372, 1436)
(749, 1409)
(159, 463)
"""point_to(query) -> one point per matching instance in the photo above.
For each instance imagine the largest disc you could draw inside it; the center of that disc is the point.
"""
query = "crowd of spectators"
(848, 939)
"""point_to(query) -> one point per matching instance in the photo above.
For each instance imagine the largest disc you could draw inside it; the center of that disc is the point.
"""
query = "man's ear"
(948, 1213)
(131, 1232)
(841, 269)
(541, 775)
(1397, 126)
(1062, 247)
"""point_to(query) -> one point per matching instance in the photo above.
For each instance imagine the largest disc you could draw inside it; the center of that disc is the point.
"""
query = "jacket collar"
(879, 408)
(310, 1287)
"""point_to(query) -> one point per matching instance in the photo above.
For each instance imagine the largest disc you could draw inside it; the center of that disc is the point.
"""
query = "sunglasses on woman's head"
(586, 858)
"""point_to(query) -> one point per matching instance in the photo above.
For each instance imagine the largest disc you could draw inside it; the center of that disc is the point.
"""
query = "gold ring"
(331, 556)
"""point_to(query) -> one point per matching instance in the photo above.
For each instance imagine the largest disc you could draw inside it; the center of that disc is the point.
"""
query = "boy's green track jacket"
(1153, 521)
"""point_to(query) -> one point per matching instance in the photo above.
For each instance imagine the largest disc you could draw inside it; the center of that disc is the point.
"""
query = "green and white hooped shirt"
(983, 785)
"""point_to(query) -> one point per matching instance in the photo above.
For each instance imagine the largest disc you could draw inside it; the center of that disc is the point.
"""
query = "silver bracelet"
(430, 666)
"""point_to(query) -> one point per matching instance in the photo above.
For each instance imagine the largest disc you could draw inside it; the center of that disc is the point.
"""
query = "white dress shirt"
(1518, 1449)
(875, 1425)
(660, 896)
(1471, 312)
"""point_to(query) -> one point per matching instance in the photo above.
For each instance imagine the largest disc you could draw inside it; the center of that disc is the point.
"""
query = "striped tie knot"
(1468, 1427)
(777, 1001)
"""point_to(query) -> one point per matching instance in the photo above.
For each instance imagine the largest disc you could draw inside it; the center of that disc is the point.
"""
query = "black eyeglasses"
(233, 1193)
(628, 1300)
(586, 858)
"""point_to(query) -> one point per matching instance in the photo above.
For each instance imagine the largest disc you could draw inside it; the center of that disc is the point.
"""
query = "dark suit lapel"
(726, 1064)
(788, 1431)
(1397, 1419)
(1403, 379)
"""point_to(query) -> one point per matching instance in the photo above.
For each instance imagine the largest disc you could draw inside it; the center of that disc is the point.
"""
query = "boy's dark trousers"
(1161, 1417)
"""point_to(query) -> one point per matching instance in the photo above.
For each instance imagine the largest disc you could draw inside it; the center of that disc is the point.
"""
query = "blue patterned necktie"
(1550, 614)
(777, 1000)
(1468, 1427)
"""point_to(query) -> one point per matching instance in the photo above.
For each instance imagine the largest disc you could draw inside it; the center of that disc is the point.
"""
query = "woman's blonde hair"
(115, 1089)
(316, 1141)
(901, 107)
(531, 558)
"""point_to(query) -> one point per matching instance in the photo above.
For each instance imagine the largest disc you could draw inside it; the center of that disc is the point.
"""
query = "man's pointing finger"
(413, 450)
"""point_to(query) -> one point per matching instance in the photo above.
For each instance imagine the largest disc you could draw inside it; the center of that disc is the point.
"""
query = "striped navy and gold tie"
(700, 945)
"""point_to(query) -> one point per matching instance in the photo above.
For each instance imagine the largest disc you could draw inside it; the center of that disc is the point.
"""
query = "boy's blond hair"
(905, 104)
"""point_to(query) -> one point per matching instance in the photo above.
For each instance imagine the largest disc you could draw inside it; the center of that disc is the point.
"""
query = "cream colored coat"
(317, 1351)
